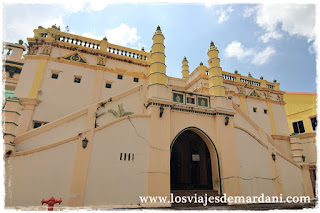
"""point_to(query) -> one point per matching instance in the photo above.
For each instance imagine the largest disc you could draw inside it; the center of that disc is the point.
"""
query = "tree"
(120, 113)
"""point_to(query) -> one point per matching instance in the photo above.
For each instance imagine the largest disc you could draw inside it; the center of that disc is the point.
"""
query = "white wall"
(114, 181)
(41, 175)
(254, 164)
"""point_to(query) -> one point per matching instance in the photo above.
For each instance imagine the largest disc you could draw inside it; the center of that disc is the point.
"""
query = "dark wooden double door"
(190, 163)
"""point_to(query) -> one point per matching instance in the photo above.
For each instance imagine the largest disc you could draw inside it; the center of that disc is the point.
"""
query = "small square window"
(77, 79)
(265, 111)
(314, 123)
(108, 85)
(55, 75)
(136, 79)
(254, 109)
(36, 125)
(120, 77)
(298, 127)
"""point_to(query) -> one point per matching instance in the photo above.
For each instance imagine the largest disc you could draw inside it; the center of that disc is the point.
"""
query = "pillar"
(185, 68)
(158, 79)
(215, 72)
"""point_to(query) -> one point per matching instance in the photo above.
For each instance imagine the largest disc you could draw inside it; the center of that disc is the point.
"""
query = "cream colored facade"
(12, 62)
(241, 121)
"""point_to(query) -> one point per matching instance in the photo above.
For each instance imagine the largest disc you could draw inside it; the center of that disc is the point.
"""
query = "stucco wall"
(259, 117)
(131, 103)
(242, 122)
(55, 134)
(41, 175)
(280, 119)
(254, 166)
(291, 178)
(26, 78)
(114, 181)
(62, 96)
(117, 85)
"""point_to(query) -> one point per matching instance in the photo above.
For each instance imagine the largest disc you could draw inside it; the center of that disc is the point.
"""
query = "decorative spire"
(185, 58)
(142, 49)
(212, 44)
(158, 29)
(201, 63)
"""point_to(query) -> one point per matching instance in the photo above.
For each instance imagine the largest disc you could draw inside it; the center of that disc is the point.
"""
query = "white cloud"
(48, 23)
(295, 19)
(237, 50)
(263, 56)
(72, 6)
(249, 11)
(91, 35)
(122, 35)
(312, 48)
(224, 14)
(270, 35)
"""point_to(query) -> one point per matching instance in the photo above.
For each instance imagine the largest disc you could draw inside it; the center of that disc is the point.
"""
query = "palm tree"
(120, 113)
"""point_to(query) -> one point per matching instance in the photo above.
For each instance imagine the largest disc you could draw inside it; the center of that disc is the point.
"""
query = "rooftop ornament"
(236, 71)
(142, 49)
(158, 29)
(212, 44)
(274, 81)
(201, 64)
(249, 75)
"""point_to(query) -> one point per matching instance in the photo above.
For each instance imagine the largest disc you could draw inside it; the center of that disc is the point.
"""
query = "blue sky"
(273, 41)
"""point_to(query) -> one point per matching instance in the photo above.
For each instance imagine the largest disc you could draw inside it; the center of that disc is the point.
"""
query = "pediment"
(75, 56)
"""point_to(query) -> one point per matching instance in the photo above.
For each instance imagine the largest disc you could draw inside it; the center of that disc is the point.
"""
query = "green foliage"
(261, 78)
(236, 71)
(274, 81)
(40, 27)
(55, 27)
(120, 113)
(201, 63)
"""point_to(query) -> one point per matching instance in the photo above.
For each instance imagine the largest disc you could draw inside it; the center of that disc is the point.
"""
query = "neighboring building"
(301, 110)
(12, 65)
(68, 133)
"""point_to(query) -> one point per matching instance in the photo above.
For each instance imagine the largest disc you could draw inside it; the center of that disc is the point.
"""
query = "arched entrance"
(194, 163)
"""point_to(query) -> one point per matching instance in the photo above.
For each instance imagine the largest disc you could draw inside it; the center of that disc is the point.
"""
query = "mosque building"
(98, 124)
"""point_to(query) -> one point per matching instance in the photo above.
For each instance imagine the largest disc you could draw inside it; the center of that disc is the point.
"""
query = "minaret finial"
(158, 28)
(212, 44)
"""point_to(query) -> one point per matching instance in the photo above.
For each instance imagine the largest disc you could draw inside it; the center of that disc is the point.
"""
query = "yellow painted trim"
(37, 80)
(31, 133)
(13, 65)
(90, 66)
(39, 149)
(243, 105)
(271, 118)
(252, 135)
(80, 170)
(245, 116)
(34, 132)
